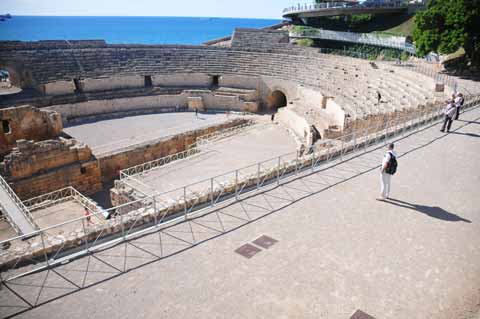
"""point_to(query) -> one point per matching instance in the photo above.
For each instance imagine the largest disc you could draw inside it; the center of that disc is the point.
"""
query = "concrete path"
(338, 251)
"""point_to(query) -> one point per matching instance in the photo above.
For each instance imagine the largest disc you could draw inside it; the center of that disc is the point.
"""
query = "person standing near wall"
(458, 105)
(388, 168)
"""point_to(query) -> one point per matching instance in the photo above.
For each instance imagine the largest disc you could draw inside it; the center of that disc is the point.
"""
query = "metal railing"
(224, 133)
(9, 220)
(59, 196)
(158, 210)
(23, 210)
(152, 165)
(343, 5)
(394, 42)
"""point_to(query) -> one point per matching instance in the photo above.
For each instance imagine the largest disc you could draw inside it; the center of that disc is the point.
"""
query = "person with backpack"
(389, 168)
(449, 112)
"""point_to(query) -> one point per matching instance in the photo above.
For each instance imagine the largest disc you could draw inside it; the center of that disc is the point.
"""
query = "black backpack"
(392, 165)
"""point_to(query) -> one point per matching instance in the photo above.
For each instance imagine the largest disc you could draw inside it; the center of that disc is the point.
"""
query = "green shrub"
(306, 42)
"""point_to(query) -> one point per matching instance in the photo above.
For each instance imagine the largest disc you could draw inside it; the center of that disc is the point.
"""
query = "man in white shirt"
(386, 178)
(449, 112)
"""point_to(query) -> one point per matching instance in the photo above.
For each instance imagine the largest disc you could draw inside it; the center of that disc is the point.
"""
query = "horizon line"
(136, 16)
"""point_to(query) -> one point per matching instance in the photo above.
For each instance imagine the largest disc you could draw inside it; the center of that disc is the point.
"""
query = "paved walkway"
(338, 249)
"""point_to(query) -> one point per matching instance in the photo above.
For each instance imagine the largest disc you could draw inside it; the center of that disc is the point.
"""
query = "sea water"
(133, 30)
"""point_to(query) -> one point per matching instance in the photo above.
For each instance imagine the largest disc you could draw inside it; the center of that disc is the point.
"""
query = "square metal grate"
(265, 242)
(361, 315)
(248, 250)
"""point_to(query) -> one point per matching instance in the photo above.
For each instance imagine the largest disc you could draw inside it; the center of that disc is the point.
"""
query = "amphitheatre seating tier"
(352, 82)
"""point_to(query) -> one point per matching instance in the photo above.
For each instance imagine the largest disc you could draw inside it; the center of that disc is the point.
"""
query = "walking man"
(196, 112)
(379, 98)
(449, 112)
(389, 167)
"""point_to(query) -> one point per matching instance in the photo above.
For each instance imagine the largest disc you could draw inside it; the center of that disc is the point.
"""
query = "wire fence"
(152, 165)
(51, 246)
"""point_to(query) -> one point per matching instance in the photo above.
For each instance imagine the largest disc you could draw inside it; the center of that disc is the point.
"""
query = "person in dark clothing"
(459, 100)
(273, 117)
(379, 98)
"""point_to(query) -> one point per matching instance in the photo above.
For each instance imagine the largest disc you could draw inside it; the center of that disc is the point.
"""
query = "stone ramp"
(14, 210)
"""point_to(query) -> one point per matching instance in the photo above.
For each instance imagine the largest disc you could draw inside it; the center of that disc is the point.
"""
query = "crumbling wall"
(35, 168)
(28, 123)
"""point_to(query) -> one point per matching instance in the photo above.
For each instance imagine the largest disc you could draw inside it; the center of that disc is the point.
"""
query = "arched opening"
(276, 100)
(8, 83)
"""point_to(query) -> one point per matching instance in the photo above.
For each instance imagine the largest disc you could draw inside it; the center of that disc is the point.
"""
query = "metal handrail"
(341, 5)
(152, 165)
(24, 210)
(208, 138)
(9, 220)
(59, 196)
(363, 38)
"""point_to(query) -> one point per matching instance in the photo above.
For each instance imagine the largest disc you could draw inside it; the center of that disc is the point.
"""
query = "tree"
(447, 25)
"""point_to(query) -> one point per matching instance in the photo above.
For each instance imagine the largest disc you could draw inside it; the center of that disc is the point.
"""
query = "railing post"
(258, 176)
(124, 235)
(341, 149)
(313, 161)
(85, 234)
(278, 170)
(211, 192)
(296, 163)
(366, 139)
(236, 184)
(44, 249)
(185, 202)
(155, 210)
(354, 140)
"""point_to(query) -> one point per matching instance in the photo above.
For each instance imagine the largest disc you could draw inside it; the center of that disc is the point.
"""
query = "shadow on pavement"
(466, 134)
(432, 211)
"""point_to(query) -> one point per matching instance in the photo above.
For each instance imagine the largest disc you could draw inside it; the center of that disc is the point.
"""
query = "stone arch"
(18, 76)
(276, 99)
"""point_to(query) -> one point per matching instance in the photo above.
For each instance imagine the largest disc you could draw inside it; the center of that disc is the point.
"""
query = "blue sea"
(136, 30)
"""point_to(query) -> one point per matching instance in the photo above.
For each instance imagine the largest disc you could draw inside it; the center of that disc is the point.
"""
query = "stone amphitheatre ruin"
(66, 134)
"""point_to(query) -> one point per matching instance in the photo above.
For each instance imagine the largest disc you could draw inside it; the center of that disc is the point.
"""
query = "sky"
(268, 9)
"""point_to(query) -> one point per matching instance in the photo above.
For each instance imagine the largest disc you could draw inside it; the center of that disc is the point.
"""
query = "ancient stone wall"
(35, 168)
(255, 38)
(153, 102)
(27, 123)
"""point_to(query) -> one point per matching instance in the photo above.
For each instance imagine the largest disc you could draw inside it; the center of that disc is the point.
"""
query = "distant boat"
(3, 19)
